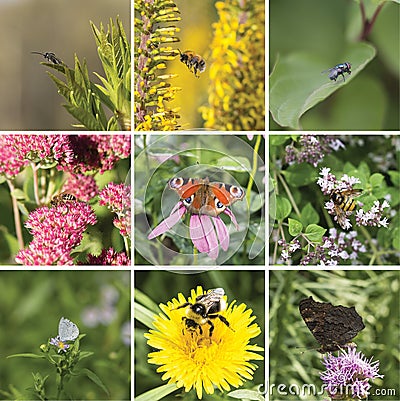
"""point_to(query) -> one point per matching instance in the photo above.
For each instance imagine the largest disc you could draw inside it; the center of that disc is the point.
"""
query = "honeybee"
(344, 204)
(62, 199)
(206, 307)
(193, 62)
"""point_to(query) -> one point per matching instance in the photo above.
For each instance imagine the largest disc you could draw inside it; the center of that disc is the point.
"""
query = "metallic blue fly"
(338, 70)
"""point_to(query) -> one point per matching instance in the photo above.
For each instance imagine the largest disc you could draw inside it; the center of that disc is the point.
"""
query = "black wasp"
(338, 70)
(49, 56)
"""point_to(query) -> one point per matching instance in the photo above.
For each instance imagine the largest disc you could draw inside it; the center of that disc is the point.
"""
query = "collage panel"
(65, 65)
(65, 199)
(199, 335)
(199, 200)
(334, 65)
(334, 199)
(334, 334)
(65, 335)
(199, 65)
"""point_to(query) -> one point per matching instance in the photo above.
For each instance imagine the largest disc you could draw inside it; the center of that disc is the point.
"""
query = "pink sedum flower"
(109, 257)
(206, 232)
(56, 232)
(84, 187)
(117, 197)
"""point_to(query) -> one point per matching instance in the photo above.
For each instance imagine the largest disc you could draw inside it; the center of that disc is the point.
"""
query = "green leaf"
(295, 227)
(297, 85)
(283, 208)
(309, 215)
(157, 393)
(95, 379)
(239, 164)
(246, 395)
(376, 180)
(395, 178)
(314, 232)
(27, 355)
(300, 174)
(144, 315)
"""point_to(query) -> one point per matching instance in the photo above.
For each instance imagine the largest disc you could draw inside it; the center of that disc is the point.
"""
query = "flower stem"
(35, 183)
(17, 218)
(254, 168)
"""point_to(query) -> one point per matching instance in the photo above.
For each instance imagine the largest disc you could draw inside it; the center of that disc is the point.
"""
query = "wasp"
(193, 62)
(337, 70)
(206, 307)
(49, 56)
(62, 199)
(344, 204)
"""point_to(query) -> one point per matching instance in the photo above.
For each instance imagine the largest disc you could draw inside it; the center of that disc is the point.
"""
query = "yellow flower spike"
(193, 358)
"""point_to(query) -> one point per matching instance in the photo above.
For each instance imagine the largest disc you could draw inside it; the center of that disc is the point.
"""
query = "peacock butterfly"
(200, 196)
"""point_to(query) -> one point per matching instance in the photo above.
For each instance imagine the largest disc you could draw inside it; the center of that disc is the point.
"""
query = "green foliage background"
(32, 303)
(375, 295)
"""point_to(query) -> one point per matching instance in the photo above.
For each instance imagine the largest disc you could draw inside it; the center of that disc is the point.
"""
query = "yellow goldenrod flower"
(191, 358)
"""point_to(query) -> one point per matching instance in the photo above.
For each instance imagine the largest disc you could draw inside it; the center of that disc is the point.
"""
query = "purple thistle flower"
(349, 374)
(201, 228)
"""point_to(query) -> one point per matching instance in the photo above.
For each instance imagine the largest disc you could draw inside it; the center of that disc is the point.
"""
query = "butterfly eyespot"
(176, 182)
(237, 192)
(188, 201)
(219, 205)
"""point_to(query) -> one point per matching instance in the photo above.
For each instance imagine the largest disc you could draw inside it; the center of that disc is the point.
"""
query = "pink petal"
(222, 233)
(232, 216)
(168, 223)
(211, 236)
(197, 234)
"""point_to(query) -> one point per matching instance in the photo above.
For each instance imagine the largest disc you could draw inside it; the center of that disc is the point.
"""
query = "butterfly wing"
(67, 330)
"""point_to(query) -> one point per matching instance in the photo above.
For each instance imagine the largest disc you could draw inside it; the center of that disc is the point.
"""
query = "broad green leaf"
(314, 232)
(309, 215)
(240, 164)
(95, 379)
(295, 227)
(144, 315)
(283, 208)
(246, 395)
(299, 175)
(376, 179)
(297, 85)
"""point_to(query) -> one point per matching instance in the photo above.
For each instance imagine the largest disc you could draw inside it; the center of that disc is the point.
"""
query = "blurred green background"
(162, 286)
(293, 356)
(324, 30)
(29, 98)
(32, 304)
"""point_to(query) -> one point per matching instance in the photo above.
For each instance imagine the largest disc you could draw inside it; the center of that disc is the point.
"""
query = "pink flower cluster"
(56, 232)
(117, 197)
(98, 152)
(109, 257)
(18, 150)
(84, 187)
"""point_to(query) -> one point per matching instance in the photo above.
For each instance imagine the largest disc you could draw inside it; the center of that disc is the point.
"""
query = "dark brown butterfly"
(332, 326)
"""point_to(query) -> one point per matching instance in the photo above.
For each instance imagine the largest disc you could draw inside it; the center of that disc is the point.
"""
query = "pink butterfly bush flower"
(56, 232)
(206, 232)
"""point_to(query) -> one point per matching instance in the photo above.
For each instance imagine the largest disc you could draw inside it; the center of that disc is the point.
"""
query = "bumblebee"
(206, 308)
(62, 199)
(193, 61)
(50, 57)
(344, 204)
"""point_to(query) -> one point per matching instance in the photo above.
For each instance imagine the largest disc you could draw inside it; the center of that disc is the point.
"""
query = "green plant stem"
(289, 194)
(195, 256)
(35, 183)
(17, 218)
(372, 245)
(254, 168)
(126, 246)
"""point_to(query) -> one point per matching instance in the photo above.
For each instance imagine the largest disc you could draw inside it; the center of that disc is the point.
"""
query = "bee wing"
(211, 297)
(352, 192)
(341, 217)
(325, 71)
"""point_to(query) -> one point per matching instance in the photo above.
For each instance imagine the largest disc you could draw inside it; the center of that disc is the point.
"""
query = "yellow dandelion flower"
(191, 358)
